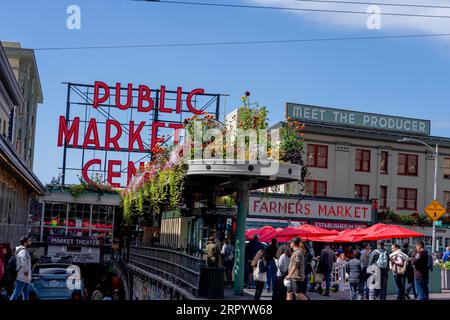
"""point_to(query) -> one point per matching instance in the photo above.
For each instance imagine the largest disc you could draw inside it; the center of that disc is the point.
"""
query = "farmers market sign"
(296, 208)
(307, 113)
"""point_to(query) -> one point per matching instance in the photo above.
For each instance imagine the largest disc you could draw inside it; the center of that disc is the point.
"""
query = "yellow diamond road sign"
(435, 210)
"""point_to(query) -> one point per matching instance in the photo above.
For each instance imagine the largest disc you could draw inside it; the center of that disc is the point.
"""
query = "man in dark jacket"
(409, 273)
(355, 277)
(421, 271)
(272, 272)
(326, 262)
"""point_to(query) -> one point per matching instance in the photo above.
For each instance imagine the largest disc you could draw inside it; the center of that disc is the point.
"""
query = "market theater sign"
(294, 208)
(134, 137)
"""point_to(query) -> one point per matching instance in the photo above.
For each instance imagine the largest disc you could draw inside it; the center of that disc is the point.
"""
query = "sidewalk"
(342, 295)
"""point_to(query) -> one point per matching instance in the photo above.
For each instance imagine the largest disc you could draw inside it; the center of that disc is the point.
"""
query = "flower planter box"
(445, 279)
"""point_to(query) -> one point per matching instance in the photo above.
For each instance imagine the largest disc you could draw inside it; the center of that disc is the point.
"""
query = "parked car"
(55, 281)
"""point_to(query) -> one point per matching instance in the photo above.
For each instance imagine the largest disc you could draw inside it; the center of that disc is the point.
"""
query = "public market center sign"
(339, 117)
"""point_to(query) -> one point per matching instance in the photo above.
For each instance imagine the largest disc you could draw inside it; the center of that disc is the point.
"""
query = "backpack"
(400, 269)
(382, 261)
(11, 268)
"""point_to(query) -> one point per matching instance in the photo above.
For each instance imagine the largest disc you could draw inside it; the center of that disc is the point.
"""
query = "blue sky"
(408, 77)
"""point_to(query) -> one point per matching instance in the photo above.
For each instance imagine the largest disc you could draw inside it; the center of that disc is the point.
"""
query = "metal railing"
(178, 268)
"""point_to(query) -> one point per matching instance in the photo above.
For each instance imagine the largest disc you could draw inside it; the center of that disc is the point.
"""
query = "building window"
(317, 156)
(447, 168)
(407, 164)
(447, 200)
(316, 188)
(383, 197)
(406, 199)
(362, 191)
(384, 162)
(362, 160)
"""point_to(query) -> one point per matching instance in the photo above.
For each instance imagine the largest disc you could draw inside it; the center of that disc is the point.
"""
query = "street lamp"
(435, 153)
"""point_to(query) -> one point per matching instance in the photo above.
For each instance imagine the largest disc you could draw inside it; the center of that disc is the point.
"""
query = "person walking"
(19, 267)
(409, 273)
(309, 256)
(326, 261)
(272, 272)
(2, 266)
(228, 260)
(354, 270)
(282, 261)
(260, 268)
(6, 282)
(212, 253)
(116, 295)
(380, 258)
(398, 262)
(365, 254)
(97, 295)
(251, 249)
(421, 266)
(296, 274)
(446, 256)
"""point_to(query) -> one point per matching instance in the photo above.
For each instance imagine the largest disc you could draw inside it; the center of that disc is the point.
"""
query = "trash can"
(212, 282)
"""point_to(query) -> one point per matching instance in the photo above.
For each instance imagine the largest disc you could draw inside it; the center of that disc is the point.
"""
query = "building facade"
(23, 63)
(365, 160)
(18, 184)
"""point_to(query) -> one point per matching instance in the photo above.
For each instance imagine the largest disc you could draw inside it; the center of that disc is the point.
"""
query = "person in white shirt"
(23, 268)
(398, 261)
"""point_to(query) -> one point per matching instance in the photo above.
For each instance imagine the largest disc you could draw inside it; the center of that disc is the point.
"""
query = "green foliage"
(414, 219)
(77, 190)
(444, 265)
(164, 187)
(292, 142)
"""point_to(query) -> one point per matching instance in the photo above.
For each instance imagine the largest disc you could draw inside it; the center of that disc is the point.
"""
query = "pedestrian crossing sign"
(435, 210)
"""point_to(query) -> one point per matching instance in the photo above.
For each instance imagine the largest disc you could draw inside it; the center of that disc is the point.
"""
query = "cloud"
(358, 22)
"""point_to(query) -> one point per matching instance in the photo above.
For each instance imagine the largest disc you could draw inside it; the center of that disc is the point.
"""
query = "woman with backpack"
(379, 270)
(398, 262)
(260, 268)
(228, 260)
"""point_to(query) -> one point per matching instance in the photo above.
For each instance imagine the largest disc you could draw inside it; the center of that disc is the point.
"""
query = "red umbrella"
(267, 237)
(391, 232)
(370, 230)
(304, 231)
(261, 231)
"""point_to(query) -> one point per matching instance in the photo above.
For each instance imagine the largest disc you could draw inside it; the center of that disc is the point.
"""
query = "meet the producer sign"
(295, 208)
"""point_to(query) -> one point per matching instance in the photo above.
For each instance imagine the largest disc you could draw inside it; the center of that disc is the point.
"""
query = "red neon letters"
(102, 93)
(139, 140)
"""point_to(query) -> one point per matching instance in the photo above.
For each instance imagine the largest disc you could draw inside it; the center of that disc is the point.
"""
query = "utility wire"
(224, 5)
(199, 44)
(407, 5)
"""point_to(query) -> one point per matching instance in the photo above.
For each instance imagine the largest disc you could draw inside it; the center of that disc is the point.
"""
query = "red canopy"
(305, 231)
(370, 230)
(343, 236)
(391, 232)
(269, 235)
(261, 232)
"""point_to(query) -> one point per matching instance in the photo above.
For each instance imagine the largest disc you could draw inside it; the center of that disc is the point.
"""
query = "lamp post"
(435, 153)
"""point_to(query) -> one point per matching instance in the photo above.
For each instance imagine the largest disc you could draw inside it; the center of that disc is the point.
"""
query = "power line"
(224, 5)
(199, 44)
(407, 5)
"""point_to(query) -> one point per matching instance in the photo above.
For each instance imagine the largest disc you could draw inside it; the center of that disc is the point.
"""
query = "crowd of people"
(290, 272)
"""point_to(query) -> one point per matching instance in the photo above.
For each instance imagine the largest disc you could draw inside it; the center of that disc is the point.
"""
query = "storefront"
(76, 226)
